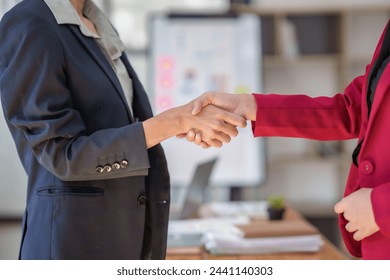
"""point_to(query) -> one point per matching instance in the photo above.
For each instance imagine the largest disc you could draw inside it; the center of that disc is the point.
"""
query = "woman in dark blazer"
(98, 184)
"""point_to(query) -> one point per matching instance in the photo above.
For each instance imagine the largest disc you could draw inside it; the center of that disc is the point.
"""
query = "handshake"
(212, 119)
(209, 120)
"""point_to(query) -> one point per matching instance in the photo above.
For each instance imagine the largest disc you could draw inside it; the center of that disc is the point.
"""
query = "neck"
(78, 5)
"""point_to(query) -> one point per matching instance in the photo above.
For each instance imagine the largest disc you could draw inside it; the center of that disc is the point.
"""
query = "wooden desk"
(327, 252)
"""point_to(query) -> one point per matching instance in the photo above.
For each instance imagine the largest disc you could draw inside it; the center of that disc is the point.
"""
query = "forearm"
(320, 118)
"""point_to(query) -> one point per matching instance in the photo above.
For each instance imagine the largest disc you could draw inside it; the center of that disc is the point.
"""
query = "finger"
(181, 135)
(350, 227)
(222, 137)
(190, 136)
(220, 131)
(204, 145)
(339, 207)
(198, 138)
(234, 119)
(215, 143)
(227, 128)
(358, 235)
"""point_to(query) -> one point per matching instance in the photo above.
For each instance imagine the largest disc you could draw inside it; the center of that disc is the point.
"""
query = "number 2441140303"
(241, 270)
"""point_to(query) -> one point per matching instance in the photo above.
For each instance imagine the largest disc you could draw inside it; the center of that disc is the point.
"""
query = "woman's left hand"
(357, 210)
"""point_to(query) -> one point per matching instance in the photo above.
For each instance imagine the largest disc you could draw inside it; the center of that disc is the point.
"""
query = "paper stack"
(252, 209)
(223, 244)
(244, 228)
(264, 237)
(185, 233)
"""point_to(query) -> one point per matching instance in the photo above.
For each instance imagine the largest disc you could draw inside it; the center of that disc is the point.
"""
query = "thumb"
(339, 207)
(200, 102)
(197, 107)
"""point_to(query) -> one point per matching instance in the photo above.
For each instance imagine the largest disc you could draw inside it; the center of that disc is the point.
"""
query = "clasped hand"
(210, 120)
(212, 126)
(240, 106)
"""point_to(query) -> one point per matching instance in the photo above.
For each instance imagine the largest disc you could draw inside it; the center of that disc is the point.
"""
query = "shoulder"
(28, 28)
(26, 16)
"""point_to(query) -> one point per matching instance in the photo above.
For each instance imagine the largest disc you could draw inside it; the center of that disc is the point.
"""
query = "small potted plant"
(275, 207)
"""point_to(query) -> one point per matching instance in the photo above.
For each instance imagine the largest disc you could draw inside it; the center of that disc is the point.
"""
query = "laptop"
(195, 191)
(193, 199)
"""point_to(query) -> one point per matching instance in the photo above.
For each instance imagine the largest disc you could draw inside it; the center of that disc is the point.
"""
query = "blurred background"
(272, 46)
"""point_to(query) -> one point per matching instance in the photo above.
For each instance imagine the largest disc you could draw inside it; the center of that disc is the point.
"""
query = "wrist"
(176, 120)
(163, 126)
(249, 107)
(181, 118)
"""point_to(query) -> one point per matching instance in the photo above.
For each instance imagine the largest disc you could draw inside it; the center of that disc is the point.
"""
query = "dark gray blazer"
(94, 190)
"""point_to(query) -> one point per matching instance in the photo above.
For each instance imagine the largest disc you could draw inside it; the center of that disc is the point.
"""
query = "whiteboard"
(191, 55)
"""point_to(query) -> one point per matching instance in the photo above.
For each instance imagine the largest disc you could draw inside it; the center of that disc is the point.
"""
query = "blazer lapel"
(101, 60)
(380, 93)
(381, 53)
(370, 118)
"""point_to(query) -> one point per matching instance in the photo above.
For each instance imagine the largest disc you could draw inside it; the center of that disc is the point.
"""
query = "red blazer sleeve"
(320, 118)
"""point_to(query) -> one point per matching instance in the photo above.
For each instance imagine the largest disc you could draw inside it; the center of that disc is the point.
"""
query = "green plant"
(276, 202)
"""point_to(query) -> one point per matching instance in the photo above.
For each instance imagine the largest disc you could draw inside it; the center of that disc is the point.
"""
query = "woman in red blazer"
(362, 111)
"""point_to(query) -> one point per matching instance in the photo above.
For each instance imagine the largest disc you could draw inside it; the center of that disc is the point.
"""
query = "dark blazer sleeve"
(38, 105)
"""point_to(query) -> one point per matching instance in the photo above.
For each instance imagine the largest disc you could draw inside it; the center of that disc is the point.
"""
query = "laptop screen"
(196, 189)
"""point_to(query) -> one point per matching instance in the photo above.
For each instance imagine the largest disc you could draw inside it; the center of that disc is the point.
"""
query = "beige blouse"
(107, 38)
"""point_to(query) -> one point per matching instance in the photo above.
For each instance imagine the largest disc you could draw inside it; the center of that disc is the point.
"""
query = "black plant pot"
(275, 214)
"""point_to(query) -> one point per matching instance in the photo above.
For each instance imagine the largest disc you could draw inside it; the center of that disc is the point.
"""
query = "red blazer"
(344, 116)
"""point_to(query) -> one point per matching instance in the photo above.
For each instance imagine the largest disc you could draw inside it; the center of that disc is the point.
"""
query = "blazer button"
(124, 163)
(141, 200)
(99, 169)
(366, 167)
(107, 168)
(116, 166)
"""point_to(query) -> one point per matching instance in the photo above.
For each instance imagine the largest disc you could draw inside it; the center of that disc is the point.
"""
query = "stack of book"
(264, 237)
